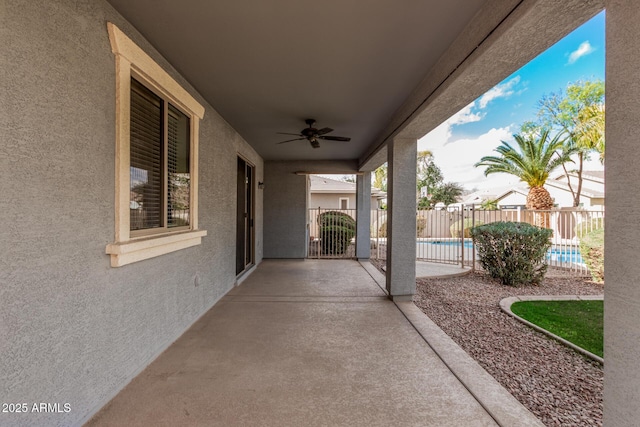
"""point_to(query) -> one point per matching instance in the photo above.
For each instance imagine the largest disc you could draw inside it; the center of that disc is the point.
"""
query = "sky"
(476, 130)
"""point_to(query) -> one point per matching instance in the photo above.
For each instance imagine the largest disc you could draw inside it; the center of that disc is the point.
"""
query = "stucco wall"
(286, 202)
(513, 199)
(331, 200)
(622, 235)
(73, 329)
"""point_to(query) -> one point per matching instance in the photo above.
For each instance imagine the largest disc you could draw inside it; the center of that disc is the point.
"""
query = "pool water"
(565, 255)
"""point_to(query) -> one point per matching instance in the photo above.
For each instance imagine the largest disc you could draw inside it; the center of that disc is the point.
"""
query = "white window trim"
(340, 202)
(130, 61)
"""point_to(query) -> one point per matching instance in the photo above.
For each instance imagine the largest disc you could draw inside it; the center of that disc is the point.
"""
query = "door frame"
(248, 225)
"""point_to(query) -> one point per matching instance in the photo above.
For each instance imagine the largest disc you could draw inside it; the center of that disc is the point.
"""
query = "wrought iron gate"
(332, 233)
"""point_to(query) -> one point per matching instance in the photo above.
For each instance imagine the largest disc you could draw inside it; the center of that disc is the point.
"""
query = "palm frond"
(532, 158)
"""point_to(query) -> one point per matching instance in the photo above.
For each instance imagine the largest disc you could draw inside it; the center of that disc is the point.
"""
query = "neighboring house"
(513, 198)
(478, 197)
(591, 196)
(592, 193)
(333, 194)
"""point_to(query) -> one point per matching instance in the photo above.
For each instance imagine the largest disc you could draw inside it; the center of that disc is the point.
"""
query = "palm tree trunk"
(539, 199)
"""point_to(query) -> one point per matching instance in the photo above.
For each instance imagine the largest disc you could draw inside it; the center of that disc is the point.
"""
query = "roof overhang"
(371, 71)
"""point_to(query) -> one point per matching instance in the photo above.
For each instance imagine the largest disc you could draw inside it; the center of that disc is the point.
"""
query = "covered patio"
(313, 342)
(150, 205)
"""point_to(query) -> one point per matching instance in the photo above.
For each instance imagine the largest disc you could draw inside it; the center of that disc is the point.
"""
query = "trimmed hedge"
(466, 225)
(336, 231)
(513, 252)
(592, 252)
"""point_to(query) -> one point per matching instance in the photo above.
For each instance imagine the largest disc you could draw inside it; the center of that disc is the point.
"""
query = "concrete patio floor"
(316, 343)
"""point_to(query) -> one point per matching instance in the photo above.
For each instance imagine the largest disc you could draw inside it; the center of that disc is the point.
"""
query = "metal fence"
(332, 233)
(442, 235)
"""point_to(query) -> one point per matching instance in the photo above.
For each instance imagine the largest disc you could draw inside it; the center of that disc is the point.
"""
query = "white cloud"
(502, 90)
(585, 48)
(465, 116)
(456, 158)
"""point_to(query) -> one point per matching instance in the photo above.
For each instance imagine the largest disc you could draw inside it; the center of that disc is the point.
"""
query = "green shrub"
(456, 227)
(336, 231)
(513, 252)
(592, 252)
(421, 228)
(382, 231)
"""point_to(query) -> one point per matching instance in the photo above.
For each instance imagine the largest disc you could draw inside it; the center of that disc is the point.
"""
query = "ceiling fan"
(313, 135)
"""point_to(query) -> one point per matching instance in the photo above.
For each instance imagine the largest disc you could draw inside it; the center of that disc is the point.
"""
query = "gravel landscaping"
(555, 383)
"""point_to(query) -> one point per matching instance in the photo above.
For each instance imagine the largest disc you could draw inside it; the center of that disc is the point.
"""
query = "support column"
(622, 234)
(363, 216)
(401, 219)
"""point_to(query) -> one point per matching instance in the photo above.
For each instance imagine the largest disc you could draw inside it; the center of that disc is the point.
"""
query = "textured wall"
(331, 200)
(622, 236)
(73, 329)
(365, 203)
(401, 228)
(286, 202)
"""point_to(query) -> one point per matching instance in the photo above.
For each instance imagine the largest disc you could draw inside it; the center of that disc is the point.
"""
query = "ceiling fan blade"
(335, 138)
(323, 131)
(289, 140)
(287, 133)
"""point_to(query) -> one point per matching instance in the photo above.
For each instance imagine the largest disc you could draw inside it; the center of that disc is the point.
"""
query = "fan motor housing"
(309, 132)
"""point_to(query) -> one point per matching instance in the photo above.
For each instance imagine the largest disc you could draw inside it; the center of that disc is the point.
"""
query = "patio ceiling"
(265, 66)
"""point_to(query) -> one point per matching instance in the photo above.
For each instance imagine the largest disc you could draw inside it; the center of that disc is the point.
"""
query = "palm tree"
(534, 159)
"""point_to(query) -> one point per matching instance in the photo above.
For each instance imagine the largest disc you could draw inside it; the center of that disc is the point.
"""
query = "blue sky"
(477, 129)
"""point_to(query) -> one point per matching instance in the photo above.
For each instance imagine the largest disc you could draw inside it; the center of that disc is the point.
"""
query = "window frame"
(166, 102)
(132, 62)
(340, 200)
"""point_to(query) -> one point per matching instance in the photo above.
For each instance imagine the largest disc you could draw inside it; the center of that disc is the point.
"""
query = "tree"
(590, 129)
(534, 159)
(579, 113)
(380, 178)
(489, 205)
(428, 174)
(447, 193)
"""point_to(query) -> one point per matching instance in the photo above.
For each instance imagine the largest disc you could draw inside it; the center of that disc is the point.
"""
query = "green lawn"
(579, 322)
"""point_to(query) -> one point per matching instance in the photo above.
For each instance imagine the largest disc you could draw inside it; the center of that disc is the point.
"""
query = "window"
(159, 163)
(344, 203)
(157, 124)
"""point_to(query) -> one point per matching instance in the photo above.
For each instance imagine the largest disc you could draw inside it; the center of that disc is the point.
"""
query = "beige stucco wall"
(513, 199)
(286, 200)
(332, 200)
(622, 235)
(73, 329)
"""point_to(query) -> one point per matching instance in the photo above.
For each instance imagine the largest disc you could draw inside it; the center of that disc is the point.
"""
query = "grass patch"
(580, 322)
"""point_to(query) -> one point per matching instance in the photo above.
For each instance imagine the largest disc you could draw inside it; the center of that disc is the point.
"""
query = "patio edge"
(505, 409)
